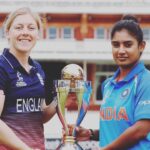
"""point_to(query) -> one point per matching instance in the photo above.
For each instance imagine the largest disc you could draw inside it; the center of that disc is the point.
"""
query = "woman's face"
(23, 33)
(125, 48)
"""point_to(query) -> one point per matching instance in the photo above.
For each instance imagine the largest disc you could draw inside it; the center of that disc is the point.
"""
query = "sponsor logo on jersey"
(20, 82)
(145, 102)
(40, 78)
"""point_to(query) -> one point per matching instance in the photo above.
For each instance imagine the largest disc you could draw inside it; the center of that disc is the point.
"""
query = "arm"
(7, 134)
(131, 136)
(49, 111)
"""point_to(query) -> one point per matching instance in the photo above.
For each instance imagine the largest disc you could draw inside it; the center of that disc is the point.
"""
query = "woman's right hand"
(82, 134)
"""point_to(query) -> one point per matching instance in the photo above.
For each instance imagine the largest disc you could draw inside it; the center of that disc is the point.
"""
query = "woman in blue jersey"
(22, 88)
(125, 112)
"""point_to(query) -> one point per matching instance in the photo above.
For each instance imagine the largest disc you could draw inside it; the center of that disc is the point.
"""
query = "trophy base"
(69, 144)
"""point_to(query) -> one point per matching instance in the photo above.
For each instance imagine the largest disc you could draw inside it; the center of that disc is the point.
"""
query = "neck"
(124, 71)
(22, 58)
(122, 75)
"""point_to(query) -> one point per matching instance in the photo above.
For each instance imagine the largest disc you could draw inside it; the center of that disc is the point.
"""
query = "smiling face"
(126, 49)
(23, 33)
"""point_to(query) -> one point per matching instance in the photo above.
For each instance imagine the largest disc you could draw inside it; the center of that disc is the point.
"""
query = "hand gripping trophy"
(72, 81)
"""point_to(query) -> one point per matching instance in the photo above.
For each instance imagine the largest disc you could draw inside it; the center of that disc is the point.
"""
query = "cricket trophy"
(72, 82)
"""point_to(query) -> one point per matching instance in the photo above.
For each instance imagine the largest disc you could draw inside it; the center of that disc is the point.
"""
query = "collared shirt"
(124, 103)
(24, 95)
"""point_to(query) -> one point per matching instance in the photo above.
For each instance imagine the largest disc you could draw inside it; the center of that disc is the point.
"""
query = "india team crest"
(125, 93)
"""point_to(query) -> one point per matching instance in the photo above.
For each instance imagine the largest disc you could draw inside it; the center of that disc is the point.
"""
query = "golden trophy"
(72, 82)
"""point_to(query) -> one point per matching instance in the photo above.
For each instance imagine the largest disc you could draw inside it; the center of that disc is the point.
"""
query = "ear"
(142, 46)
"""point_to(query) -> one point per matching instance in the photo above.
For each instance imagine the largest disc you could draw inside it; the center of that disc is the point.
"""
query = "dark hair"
(130, 23)
(130, 17)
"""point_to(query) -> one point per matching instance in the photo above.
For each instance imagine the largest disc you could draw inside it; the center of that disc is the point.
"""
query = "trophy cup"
(72, 81)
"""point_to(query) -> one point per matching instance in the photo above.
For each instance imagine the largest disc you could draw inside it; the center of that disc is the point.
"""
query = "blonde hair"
(22, 11)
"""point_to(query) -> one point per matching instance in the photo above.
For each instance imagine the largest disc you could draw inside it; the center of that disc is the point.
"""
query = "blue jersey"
(124, 103)
(24, 95)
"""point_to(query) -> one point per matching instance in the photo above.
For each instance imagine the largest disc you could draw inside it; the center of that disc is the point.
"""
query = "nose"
(25, 31)
(121, 49)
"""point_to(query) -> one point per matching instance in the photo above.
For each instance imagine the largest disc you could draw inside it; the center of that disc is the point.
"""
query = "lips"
(122, 58)
(24, 40)
(24, 43)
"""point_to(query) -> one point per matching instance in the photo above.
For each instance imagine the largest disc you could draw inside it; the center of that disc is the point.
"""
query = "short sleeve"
(40, 69)
(3, 80)
(142, 103)
(105, 83)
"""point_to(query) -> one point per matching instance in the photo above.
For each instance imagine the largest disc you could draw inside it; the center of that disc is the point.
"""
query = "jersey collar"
(14, 63)
(137, 68)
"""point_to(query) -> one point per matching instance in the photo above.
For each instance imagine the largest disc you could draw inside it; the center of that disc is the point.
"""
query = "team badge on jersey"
(125, 93)
(20, 82)
(40, 78)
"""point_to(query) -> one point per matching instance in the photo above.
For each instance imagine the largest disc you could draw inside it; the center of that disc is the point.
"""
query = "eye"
(115, 44)
(31, 28)
(18, 27)
(127, 44)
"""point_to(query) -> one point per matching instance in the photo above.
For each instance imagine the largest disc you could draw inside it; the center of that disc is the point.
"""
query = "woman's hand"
(82, 134)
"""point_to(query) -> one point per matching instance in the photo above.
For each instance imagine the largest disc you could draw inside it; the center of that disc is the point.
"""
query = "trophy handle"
(62, 90)
(83, 93)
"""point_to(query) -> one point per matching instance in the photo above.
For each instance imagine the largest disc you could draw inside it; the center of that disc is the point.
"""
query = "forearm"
(9, 139)
(126, 140)
(49, 111)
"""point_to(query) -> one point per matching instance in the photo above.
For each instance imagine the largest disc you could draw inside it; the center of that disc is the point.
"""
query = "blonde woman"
(22, 91)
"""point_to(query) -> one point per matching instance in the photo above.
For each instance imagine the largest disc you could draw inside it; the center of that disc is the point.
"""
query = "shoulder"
(3, 64)
(4, 73)
(143, 82)
(144, 76)
(106, 83)
(39, 68)
(2, 61)
(37, 64)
